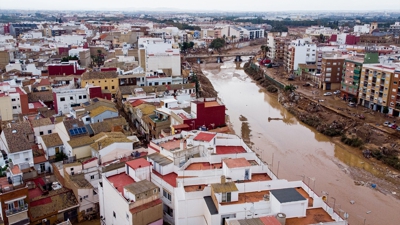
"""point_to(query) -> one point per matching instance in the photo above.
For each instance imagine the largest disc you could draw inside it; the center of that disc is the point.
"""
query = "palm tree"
(290, 88)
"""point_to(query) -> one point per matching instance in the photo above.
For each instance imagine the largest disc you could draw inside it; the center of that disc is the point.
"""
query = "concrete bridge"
(219, 57)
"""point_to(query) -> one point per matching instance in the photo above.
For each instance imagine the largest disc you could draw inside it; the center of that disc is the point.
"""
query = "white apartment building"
(300, 51)
(318, 30)
(276, 44)
(159, 54)
(209, 178)
(126, 196)
(64, 100)
(362, 29)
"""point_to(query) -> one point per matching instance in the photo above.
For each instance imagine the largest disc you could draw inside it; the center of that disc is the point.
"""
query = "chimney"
(223, 179)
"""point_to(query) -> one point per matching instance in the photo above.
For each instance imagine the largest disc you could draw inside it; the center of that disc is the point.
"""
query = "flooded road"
(295, 151)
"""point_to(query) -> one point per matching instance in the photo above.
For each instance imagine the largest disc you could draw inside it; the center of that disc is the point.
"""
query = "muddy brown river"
(295, 151)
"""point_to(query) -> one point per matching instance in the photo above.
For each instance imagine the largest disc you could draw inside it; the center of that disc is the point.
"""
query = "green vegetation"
(98, 59)
(186, 45)
(217, 44)
(388, 158)
(60, 156)
(352, 141)
(290, 88)
(66, 59)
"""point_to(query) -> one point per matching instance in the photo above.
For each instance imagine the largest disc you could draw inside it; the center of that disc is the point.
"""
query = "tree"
(217, 44)
(321, 38)
(233, 37)
(385, 110)
(60, 20)
(290, 88)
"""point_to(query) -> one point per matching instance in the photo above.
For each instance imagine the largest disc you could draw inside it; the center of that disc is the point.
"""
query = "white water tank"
(281, 217)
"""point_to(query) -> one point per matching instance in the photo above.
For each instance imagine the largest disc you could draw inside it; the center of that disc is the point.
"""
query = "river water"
(295, 151)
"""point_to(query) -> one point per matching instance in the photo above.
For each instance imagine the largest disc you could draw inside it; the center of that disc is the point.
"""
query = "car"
(328, 94)
(398, 128)
(386, 123)
(306, 85)
(336, 92)
(352, 104)
(56, 186)
(394, 126)
(290, 78)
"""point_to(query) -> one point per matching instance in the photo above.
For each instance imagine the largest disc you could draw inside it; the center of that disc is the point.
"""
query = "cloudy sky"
(223, 5)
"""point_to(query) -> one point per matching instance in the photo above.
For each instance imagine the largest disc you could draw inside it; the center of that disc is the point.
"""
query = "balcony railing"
(357, 71)
(16, 210)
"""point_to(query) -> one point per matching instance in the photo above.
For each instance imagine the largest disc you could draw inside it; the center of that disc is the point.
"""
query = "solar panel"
(86, 103)
(72, 132)
(95, 100)
(77, 131)
(84, 130)
(80, 130)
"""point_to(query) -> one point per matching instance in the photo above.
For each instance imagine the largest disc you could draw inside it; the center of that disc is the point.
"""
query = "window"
(87, 119)
(226, 197)
(166, 194)
(41, 132)
(49, 131)
(106, 87)
(62, 99)
(71, 98)
(84, 96)
(115, 215)
(91, 177)
(11, 206)
(94, 192)
(99, 81)
(89, 209)
(155, 83)
(395, 82)
(80, 96)
(85, 196)
(21, 203)
(14, 107)
(127, 216)
(13, 99)
(112, 87)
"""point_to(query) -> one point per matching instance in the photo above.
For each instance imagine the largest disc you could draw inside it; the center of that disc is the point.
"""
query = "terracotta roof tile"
(52, 140)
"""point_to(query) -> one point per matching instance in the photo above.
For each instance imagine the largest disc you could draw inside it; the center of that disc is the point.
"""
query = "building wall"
(147, 216)
(82, 152)
(6, 108)
(105, 115)
(394, 95)
(105, 84)
(208, 115)
(44, 129)
(111, 201)
(21, 193)
(331, 72)
(78, 96)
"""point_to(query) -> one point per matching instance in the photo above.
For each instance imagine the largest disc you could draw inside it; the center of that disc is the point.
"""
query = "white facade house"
(69, 39)
(125, 199)
(362, 29)
(159, 54)
(64, 100)
(305, 52)
(212, 187)
(30, 68)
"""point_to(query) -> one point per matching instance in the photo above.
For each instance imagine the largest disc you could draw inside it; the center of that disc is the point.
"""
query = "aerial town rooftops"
(140, 187)
(16, 136)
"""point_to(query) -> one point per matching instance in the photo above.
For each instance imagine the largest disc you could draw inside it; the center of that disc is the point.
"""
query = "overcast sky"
(224, 5)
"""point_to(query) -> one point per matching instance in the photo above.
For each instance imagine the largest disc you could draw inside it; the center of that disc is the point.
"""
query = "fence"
(270, 79)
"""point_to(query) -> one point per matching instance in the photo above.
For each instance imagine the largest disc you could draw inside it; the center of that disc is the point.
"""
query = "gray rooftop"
(140, 187)
(210, 205)
(160, 159)
(287, 195)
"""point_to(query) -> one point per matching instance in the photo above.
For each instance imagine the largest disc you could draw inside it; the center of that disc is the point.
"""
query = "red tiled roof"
(120, 180)
(169, 178)
(39, 159)
(204, 137)
(181, 126)
(146, 206)
(44, 82)
(138, 163)
(269, 220)
(137, 102)
(16, 170)
(103, 36)
(230, 149)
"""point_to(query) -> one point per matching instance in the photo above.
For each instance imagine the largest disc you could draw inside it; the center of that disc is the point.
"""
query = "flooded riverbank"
(295, 151)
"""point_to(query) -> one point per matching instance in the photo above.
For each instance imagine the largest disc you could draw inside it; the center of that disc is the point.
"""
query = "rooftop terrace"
(313, 216)
(120, 180)
(230, 150)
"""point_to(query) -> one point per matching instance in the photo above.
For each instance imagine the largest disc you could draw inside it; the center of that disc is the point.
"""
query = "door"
(57, 150)
(42, 168)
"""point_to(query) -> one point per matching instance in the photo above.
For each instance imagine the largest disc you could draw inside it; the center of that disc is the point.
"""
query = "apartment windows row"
(62, 99)
(42, 132)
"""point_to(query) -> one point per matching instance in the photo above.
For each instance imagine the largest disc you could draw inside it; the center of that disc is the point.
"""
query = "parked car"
(398, 128)
(386, 123)
(352, 104)
(328, 94)
(306, 85)
(394, 126)
(336, 92)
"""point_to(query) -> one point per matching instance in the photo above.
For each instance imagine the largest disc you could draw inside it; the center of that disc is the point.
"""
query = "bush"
(353, 142)
(332, 132)
(272, 89)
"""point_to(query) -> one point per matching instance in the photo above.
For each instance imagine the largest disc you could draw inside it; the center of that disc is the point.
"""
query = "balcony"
(17, 210)
(357, 71)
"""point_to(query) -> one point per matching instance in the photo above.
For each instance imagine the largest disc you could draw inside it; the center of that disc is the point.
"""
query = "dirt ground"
(335, 115)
